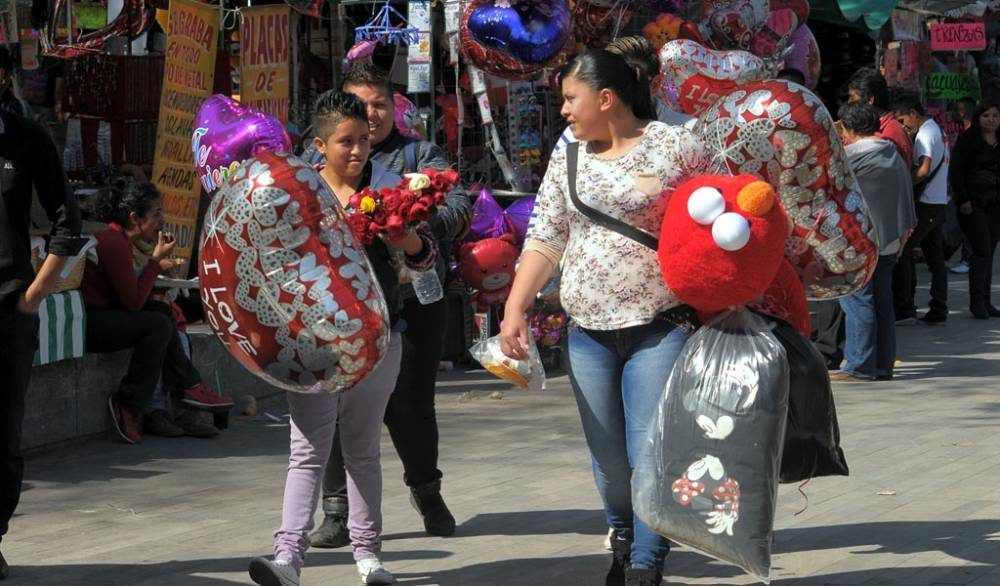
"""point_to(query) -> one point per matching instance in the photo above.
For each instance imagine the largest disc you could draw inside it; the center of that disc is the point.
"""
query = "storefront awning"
(870, 14)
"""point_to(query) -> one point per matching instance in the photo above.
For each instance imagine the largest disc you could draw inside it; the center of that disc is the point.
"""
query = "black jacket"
(974, 173)
(28, 159)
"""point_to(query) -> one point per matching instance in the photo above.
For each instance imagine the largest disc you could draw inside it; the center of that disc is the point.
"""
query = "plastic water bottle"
(427, 286)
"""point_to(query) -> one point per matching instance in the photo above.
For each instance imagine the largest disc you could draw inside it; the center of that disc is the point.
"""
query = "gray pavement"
(920, 507)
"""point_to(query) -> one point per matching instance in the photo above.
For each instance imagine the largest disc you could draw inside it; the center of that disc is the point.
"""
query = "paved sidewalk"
(921, 506)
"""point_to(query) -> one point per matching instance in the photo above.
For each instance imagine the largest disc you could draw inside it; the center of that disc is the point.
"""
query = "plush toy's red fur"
(488, 267)
(711, 279)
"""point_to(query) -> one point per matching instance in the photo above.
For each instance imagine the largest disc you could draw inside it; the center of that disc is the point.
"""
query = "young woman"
(352, 417)
(622, 346)
(121, 316)
(975, 183)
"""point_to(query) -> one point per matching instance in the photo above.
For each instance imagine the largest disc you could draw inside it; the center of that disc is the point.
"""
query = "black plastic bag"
(708, 474)
(812, 436)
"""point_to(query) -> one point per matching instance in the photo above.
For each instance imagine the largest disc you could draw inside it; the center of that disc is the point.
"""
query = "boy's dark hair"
(368, 74)
(860, 118)
(792, 75)
(332, 108)
(115, 202)
(870, 85)
(907, 102)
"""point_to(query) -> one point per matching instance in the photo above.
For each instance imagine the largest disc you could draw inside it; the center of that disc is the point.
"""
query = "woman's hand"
(514, 337)
(167, 264)
(165, 244)
(965, 208)
(411, 244)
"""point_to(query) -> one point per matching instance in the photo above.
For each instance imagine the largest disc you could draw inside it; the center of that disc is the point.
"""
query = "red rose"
(439, 183)
(359, 225)
(355, 200)
(451, 176)
(380, 216)
(407, 199)
(395, 227)
(391, 201)
(438, 199)
(419, 213)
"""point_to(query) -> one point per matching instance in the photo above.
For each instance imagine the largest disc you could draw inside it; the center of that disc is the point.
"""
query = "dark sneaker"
(426, 499)
(126, 421)
(202, 397)
(934, 318)
(333, 532)
(4, 568)
(160, 423)
(194, 424)
(979, 312)
(846, 377)
(621, 553)
(634, 577)
(994, 312)
(273, 573)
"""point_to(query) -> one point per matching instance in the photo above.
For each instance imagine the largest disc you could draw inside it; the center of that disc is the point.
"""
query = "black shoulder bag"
(918, 189)
(682, 316)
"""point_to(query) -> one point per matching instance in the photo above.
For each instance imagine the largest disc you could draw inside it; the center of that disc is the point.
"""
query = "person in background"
(410, 415)
(630, 328)
(117, 295)
(28, 161)
(974, 175)
(349, 420)
(868, 86)
(961, 112)
(930, 178)
(884, 179)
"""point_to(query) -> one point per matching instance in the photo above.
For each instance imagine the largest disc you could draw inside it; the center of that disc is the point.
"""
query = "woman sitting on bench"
(116, 290)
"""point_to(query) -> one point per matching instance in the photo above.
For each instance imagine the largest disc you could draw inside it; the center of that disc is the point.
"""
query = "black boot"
(426, 499)
(621, 553)
(333, 532)
(634, 577)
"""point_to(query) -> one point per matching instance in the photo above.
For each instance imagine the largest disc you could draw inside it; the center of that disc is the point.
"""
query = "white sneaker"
(959, 268)
(372, 571)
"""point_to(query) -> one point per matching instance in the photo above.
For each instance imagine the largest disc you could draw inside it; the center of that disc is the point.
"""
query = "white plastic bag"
(525, 374)
(711, 462)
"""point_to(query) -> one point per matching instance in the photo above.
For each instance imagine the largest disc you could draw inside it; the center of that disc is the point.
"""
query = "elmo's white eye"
(731, 231)
(705, 205)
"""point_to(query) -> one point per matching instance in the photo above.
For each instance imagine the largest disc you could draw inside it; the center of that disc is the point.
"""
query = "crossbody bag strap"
(598, 217)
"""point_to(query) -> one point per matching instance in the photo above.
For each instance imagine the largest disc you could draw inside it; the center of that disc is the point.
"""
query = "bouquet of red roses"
(394, 210)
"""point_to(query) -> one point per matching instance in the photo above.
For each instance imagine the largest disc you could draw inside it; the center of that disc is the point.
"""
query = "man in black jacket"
(410, 415)
(28, 159)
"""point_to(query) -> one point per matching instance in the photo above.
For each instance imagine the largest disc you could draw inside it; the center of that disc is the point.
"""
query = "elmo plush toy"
(722, 245)
(488, 267)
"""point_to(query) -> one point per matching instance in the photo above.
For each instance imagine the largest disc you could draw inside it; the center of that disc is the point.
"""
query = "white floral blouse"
(610, 281)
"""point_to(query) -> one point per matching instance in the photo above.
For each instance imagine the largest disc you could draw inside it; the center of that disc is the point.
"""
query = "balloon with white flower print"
(285, 286)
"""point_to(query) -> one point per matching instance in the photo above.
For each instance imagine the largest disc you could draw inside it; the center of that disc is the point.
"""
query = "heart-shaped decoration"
(718, 429)
(514, 39)
(226, 133)
(694, 77)
(832, 245)
(280, 303)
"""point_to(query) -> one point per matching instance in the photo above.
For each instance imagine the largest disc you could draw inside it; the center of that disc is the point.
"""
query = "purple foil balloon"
(531, 31)
(226, 134)
(489, 220)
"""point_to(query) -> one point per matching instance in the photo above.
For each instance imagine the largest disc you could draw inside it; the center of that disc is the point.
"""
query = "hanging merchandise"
(906, 64)
(312, 8)
(514, 39)
(382, 30)
(525, 125)
(418, 55)
(488, 267)
(595, 25)
(135, 18)
(479, 90)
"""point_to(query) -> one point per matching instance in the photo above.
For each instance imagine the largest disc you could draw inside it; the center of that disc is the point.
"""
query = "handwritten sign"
(265, 54)
(188, 78)
(958, 36)
(951, 86)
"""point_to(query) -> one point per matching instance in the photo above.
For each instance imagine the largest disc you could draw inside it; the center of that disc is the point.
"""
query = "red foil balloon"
(135, 18)
(693, 77)
(782, 133)
(285, 286)
(494, 37)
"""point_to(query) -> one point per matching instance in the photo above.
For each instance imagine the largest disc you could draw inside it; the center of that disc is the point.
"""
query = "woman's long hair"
(600, 69)
(116, 202)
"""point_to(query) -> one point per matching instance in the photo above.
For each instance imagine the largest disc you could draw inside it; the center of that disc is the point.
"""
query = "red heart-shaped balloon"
(783, 133)
(695, 77)
(285, 285)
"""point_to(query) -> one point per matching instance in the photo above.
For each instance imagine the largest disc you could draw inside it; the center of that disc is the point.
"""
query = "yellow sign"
(265, 55)
(188, 78)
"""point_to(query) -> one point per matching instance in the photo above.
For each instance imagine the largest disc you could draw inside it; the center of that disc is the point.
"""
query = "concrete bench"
(67, 400)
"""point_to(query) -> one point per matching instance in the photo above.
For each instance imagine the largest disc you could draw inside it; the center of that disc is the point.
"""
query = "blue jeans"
(870, 328)
(618, 378)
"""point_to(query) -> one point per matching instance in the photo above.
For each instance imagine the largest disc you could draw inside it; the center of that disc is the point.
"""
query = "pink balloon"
(805, 56)
(226, 134)
(407, 117)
